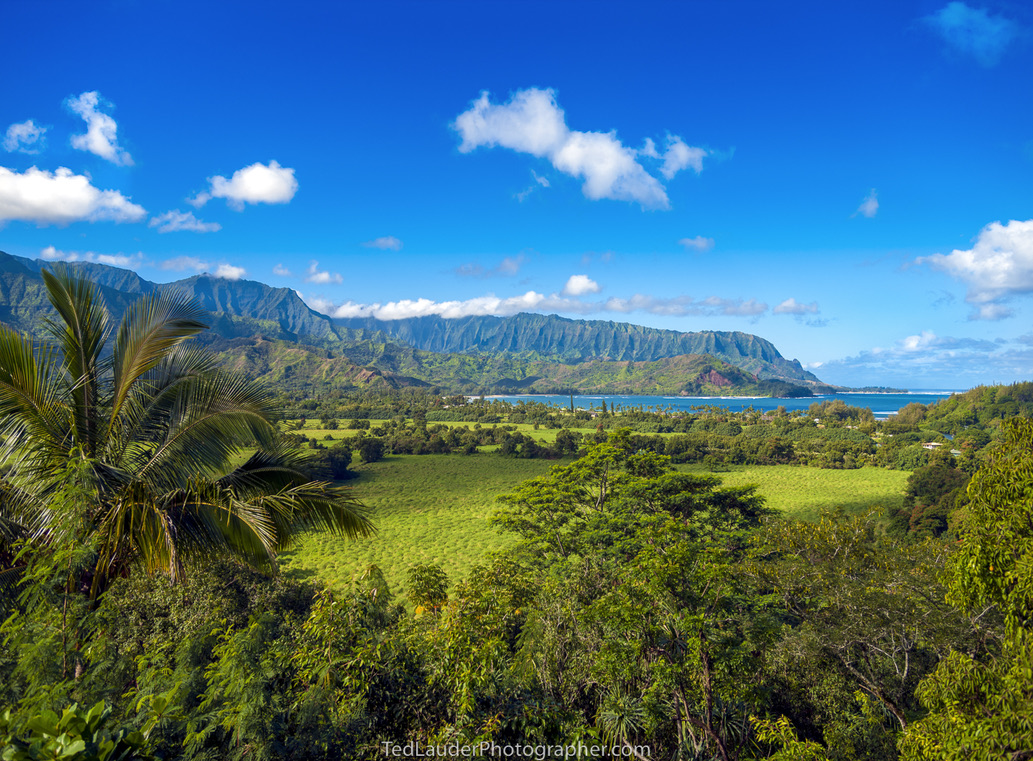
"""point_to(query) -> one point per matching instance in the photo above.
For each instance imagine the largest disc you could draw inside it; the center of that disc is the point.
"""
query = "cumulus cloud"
(25, 137)
(126, 261)
(999, 266)
(532, 301)
(177, 221)
(532, 122)
(185, 263)
(229, 272)
(316, 276)
(59, 198)
(579, 285)
(386, 243)
(101, 136)
(974, 31)
(258, 183)
(281, 271)
(869, 206)
(676, 156)
(699, 243)
(506, 268)
(791, 306)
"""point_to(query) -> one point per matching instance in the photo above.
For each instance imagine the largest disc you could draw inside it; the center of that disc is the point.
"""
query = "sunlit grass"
(427, 509)
(802, 492)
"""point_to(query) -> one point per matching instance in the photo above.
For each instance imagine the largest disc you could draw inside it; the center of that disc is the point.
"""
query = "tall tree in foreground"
(160, 427)
(982, 708)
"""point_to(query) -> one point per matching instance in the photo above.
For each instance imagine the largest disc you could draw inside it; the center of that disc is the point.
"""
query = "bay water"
(881, 405)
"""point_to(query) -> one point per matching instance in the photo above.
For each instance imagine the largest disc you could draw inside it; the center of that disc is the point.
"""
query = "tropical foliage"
(160, 427)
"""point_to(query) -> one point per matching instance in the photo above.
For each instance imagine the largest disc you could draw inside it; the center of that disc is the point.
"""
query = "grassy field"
(435, 509)
(427, 509)
(803, 492)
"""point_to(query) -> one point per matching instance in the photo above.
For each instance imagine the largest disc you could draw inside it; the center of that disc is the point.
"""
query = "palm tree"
(158, 426)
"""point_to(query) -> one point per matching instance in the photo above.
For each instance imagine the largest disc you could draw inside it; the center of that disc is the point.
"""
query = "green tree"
(428, 586)
(160, 427)
(865, 619)
(371, 449)
(979, 706)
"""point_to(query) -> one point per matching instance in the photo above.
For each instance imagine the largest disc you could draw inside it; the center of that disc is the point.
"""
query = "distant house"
(932, 445)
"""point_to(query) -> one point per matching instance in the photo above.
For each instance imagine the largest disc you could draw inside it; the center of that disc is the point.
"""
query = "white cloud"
(578, 285)
(999, 266)
(386, 243)
(316, 276)
(973, 31)
(680, 156)
(281, 271)
(25, 137)
(59, 198)
(532, 122)
(992, 312)
(490, 304)
(699, 243)
(126, 261)
(101, 136)
(183, 263)
(229, 272)
(258, 183)
(869, 206)
(791, 306)
(177, 221)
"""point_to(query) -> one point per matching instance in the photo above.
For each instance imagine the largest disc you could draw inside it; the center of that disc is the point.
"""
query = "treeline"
(640, 608)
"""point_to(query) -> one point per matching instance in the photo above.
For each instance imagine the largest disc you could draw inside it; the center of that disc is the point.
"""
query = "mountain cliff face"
(246, 308)
(258, 301)
(571, 341)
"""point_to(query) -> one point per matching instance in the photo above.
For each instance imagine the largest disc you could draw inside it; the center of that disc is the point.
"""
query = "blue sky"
(854, 183)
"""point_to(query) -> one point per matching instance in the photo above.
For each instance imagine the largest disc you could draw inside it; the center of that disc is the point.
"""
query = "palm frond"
(150, 328)
(30, 389)
(80, 333)
(143, 421)
(276, 482)
(207, 420)
(163, 532)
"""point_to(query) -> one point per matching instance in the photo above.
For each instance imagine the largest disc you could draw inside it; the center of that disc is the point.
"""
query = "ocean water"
(882, 405)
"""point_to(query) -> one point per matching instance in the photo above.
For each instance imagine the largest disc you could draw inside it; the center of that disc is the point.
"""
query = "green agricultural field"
(803, 492)
(435, 509)
(312, 430)
(427, 509)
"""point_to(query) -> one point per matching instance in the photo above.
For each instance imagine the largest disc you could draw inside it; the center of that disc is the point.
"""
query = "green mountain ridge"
(526, 352)
(305, 370)
(551, 337)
